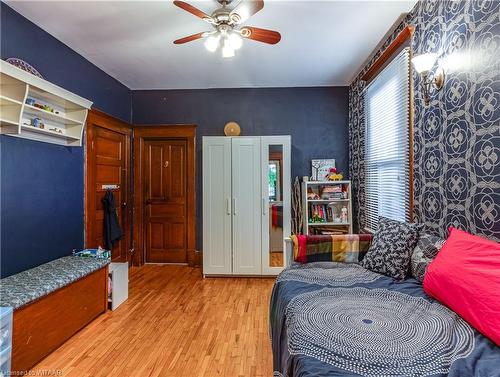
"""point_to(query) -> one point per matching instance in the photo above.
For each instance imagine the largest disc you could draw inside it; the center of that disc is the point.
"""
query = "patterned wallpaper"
(457, 137)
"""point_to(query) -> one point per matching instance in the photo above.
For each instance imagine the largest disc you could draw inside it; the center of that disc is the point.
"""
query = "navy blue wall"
(42, 184)
(316, 118)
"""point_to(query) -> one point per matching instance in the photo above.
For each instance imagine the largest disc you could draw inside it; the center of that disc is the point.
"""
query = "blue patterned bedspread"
(336, 319)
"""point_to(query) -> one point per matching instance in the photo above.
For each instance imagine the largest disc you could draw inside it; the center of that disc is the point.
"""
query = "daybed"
(340, 319)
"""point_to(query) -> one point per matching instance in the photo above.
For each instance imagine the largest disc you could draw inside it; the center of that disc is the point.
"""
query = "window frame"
(402, 41)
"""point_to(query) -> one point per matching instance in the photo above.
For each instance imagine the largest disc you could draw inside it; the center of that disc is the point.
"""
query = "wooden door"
(165, 200)
(217, 214)
(246, 205)
(108, 163)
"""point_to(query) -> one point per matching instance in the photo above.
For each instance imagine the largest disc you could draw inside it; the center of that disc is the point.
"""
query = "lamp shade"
(212, 43)
(424, 63)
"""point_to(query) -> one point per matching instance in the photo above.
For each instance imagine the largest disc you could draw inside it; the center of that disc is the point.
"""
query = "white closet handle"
(228, 206)
(264, 206)
(234, 206)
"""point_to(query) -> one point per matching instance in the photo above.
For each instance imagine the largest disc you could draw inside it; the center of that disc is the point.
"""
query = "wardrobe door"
(276, 201)
(217, 253)
(246, 180)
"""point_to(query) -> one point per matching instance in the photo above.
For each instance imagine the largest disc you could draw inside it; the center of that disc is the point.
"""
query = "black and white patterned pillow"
(425, 251)
(390, 251)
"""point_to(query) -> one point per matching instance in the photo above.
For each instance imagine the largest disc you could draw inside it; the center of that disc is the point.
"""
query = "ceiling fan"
(228, 32)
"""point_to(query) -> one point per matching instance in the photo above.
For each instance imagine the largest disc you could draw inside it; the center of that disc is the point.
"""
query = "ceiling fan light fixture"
(227, 50)
(212, 43)
(235, 40)
(226, 22)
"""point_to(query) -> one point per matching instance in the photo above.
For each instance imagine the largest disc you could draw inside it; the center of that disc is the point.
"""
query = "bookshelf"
(60, 115)
(327, 207)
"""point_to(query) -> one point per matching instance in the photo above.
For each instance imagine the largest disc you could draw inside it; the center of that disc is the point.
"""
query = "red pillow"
(465, 276)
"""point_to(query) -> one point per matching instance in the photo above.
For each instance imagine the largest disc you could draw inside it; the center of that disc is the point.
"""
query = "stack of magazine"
(333, 192)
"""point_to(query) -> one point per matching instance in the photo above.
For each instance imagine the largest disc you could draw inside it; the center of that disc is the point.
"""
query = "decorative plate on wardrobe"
(232, 129)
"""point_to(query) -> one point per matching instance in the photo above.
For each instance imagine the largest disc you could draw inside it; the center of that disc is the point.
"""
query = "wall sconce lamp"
(423, 65)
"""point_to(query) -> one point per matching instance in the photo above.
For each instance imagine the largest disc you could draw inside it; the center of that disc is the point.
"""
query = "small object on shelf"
(343, 216)
(56, 130)
(334, 176)
(30, 101)
(47, 108)
(37, 122)
(312, 193)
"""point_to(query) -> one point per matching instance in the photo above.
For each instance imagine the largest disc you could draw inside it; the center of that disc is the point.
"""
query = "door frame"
(111, 123)
(158, 132)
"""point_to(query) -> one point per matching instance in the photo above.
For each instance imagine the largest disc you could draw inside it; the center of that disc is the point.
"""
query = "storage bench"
(51, 303)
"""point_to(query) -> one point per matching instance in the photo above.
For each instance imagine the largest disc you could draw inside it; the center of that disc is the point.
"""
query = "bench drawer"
(43, 325)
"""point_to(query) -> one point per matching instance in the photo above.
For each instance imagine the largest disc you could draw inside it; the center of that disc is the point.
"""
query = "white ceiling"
(323, 42)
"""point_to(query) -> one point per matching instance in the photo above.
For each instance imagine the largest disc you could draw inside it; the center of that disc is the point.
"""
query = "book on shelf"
(322, 213)
(333, 195)
(330, 189)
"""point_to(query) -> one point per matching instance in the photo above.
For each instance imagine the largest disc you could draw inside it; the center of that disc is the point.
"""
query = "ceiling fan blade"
(189, 8)
(245, 9)
(190, 38)
(261, 35)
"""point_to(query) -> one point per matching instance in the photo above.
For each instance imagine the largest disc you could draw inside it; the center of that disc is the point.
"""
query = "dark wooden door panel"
(165, 201)
(108, 163)
(176, 179)
(156, 177)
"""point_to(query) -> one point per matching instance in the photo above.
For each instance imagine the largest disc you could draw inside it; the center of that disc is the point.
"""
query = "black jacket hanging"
(112, 230)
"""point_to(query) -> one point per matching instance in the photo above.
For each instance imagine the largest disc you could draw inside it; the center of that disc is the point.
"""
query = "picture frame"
(320, 168)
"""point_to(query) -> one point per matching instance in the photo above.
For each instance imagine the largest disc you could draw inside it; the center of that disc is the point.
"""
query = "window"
(274, 173)
(387, 157)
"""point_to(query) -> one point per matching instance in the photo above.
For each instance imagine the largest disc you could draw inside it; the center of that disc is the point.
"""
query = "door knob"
(166, 164)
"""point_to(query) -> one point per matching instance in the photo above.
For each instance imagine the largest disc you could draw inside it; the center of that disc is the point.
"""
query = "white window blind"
(387, 105)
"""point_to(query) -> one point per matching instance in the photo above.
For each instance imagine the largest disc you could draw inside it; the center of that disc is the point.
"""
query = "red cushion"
(465, 276)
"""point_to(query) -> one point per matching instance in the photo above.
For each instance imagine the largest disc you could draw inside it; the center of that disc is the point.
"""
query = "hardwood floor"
(276, 259)
(175, 323)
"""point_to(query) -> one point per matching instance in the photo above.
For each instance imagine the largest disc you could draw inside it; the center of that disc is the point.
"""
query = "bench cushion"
(27, 286)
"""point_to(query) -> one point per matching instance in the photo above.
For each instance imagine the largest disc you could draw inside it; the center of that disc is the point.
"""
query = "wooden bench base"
(43, 325)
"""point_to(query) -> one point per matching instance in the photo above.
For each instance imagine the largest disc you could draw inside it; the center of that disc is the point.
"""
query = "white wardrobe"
(246, 204)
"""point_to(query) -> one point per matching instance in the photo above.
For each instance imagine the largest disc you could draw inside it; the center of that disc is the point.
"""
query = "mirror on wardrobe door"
(275, 205)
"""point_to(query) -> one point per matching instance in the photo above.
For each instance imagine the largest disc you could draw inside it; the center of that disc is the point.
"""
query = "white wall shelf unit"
(323, 204)
(21, 93)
